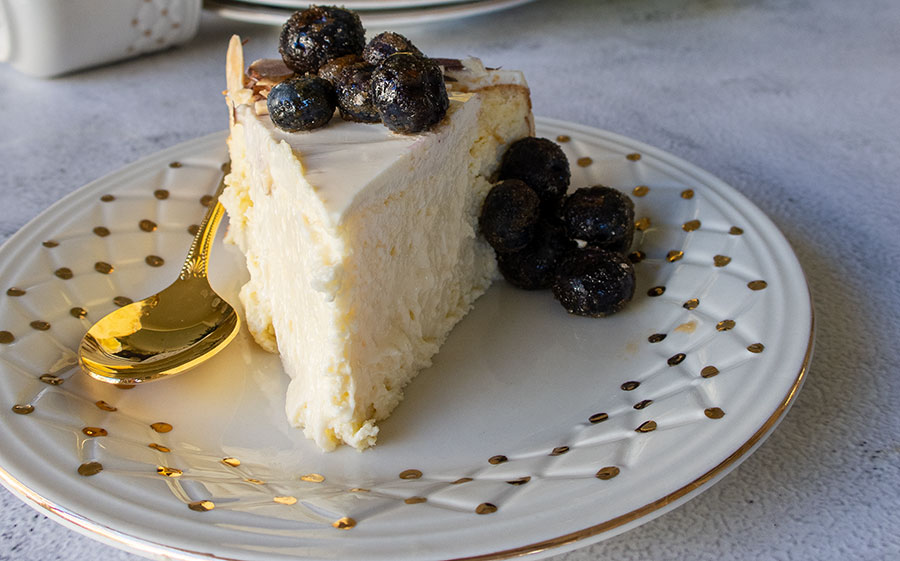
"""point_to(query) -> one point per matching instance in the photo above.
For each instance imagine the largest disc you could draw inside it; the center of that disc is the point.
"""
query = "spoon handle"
(196, 264)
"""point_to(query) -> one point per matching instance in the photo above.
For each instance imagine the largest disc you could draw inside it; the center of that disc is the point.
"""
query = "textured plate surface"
(277, 15)
(534, 431)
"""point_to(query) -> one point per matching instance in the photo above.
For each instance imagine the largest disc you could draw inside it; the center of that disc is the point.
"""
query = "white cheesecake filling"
(363, 251)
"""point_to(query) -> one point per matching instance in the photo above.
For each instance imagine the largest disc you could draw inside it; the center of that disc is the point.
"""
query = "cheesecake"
(362, 244)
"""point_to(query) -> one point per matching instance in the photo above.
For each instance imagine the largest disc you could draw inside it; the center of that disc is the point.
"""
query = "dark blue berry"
(301, 103)
(509, 215)
(541, 164)
(409, 92)
(385, 44)
(354, 93)
(594, 282)
(312, 37)
(601, 216)
(534, 267)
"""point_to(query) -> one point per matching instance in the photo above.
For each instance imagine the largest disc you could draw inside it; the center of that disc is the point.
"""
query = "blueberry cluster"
(574, 245)
(387, 80)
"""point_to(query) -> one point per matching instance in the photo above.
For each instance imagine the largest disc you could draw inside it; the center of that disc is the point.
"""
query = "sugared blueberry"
(534, 267)
(301, 103)
(541, 164)
(601, 216)
(385, 44)
(354, 93)
(594, 282)
(509, 215)
(332, 69)
(312, 37)
(409, 92)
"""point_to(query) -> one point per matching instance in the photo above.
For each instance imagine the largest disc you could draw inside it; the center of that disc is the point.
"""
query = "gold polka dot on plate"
(735, 231)
(90, 468)
(674, 255)
(161, 427)
(634, 156)
(607, 472)
(415, 500)
(598, 418)
(643, 404)
(154, 261)
(630, 386)
(656, 337)
(563, 138)
(721, 260)
(642, 224)
(121, 301)
(637, 256)
(64, 273)
(691, 304)
(359, 490)
(15, 292)
(23, 409)
(285, 500)
(202, 506)
(206, 200)
(231, 462)
(147, 225)
(757, 285)
(107, 198)
(584, 162)
(714, 413)
(410, 474)
(640, 191)
(344, 523)
(161, 194)
(656, 291)
(40, 325)
(498, 459)
(50, 243)
(166, 471)
(51, 380)
(485, 508)
(193, 229)
(78, 312)
(687, 194)
(312, 478)
(520, 480)
(254, 481)
(709, 371)
(647, 426)
(559, 450)
(691, 225)
(756, 348)
(175, 164)
(6, 337)
(103, 267)
(101, 231)
(725, 325)
(94, 431)
(102, 405)
(675, 360)
(159, 447)
(124, 386)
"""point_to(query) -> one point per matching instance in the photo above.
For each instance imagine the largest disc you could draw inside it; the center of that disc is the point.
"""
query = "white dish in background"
(274, 15)
(515, 400)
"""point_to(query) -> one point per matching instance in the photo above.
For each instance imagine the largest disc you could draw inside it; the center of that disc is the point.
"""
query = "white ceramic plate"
(372, 18)
(534, 431)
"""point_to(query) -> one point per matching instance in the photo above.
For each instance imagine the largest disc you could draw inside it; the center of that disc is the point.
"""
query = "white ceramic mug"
(51, 37)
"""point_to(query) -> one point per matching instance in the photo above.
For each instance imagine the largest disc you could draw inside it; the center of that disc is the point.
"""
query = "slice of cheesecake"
(362, 244)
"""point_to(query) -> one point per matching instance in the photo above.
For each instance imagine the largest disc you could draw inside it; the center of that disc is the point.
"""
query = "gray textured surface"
(794, 103)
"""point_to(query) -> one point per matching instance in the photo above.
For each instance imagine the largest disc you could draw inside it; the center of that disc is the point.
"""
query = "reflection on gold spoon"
(169, 332)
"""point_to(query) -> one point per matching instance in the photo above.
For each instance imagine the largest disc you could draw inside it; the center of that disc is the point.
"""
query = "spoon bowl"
(167, 333)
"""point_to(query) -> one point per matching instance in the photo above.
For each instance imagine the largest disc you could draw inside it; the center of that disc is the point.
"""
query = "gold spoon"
(169, 332)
